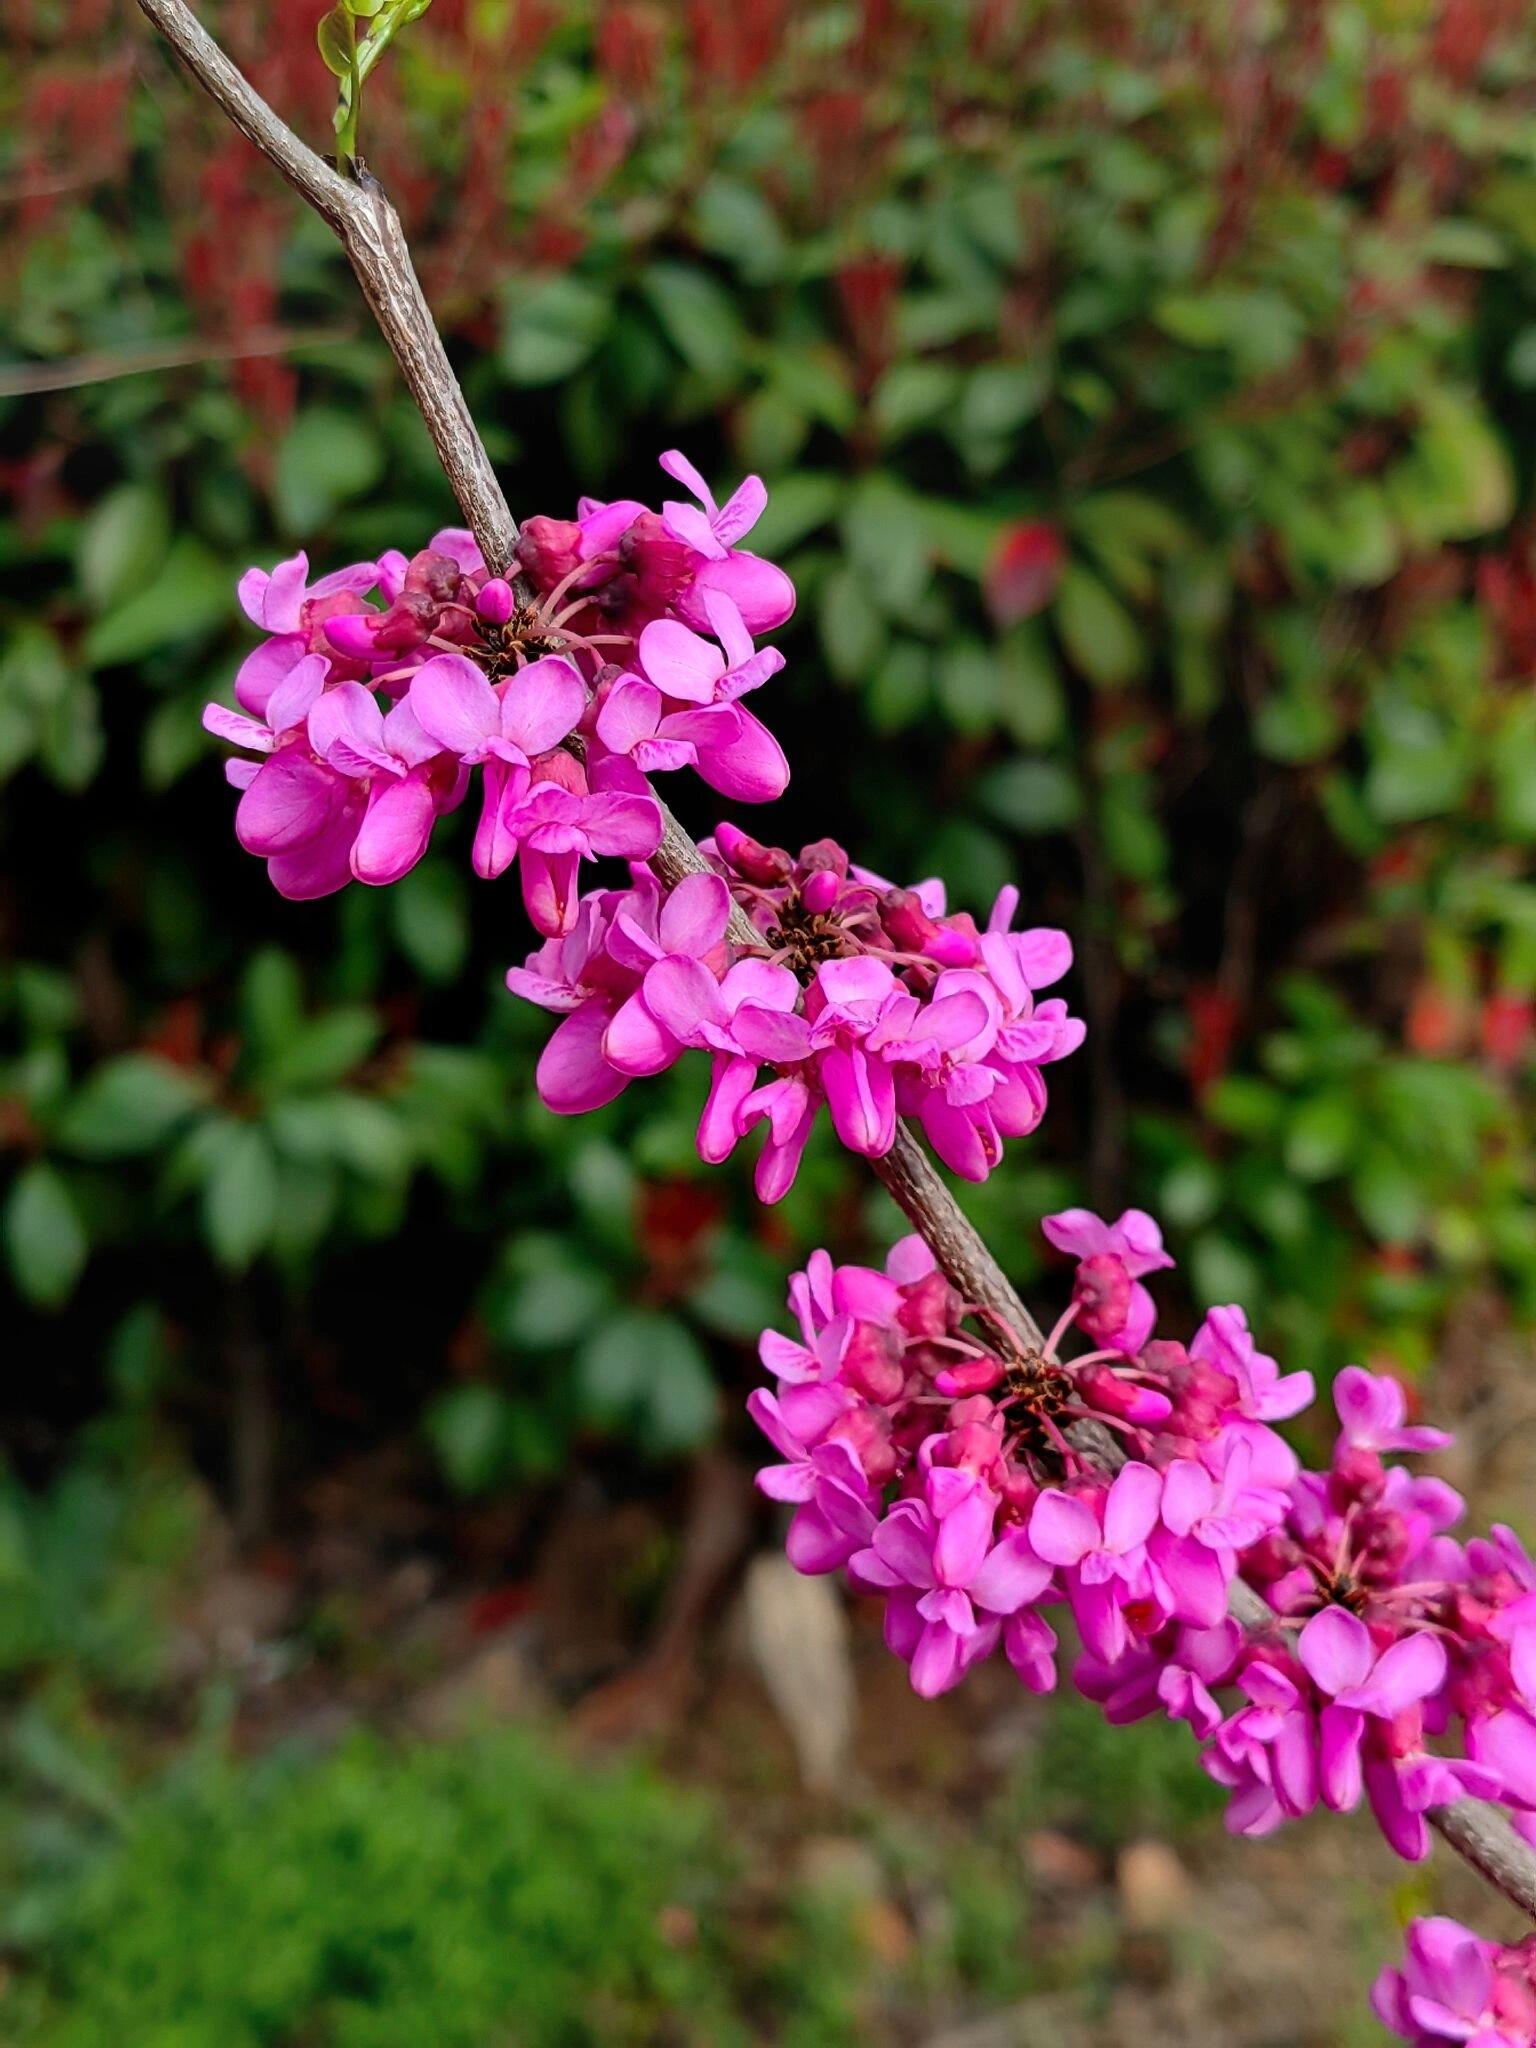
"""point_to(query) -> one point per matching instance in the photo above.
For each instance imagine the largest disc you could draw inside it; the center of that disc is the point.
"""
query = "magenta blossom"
(1454, 1986)
(1136, 1244)
(1373, 1411)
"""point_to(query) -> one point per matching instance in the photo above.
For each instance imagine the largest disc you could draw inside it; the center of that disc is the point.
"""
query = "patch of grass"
(469, 1896)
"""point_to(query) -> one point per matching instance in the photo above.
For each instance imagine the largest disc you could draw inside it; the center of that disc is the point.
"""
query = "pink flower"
(762, 593)
(501, 729)
(1338, 1655)
(1454, 1986)
(1372, 1408)
(292, 612)
(1225, 1341)
(400, 766)
(1266, 1753)
(1100, 1541)
(574, 974)
(950, 1585)
(1135, 1240)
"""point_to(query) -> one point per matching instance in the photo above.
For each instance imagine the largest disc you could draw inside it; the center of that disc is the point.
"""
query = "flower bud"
(970, 1376)
(1102, 1291)
(433, 576)
(823, 853)
(661, 564)
(548, 550)
(871, 1363)
(495, 602)
(1104, 1389)
(1357, 1478)
(753, 861)
(929, 1307)
(821, 891)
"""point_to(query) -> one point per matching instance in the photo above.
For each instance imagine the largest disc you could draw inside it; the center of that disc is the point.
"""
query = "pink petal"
(692, 527)
(1078, 1232)
(760, 591)
(235, 727)
(741, 511)
(1335, 1650)
(1406, 1672)
(496, 835)
(771, 1035)
(635, 1043)
(395, 831)
(861, 1095)
(631, 713)
(273, 600)
(679, 662)
(751, 769)
(264, 668)
(726, 624)
(693, 917)
(346, 728)
(683, 996)
(1011, 1576)
(629, 826)
(292, 800)
(541, 704)
(681, 470)
(1130, 1509)
(455, 704)
(1063, 1528)
(572, 1075)
(1339, 1732)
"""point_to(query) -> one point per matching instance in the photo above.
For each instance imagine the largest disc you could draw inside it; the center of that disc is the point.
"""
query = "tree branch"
(370, 231)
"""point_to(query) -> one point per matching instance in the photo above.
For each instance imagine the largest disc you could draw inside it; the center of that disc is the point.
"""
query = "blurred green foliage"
(1234, 317)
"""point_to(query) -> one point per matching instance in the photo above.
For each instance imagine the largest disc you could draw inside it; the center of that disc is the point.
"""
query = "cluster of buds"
(863, 998)
(379, 689)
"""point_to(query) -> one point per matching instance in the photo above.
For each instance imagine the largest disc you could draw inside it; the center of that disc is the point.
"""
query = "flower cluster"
(378, 689)
(870, 1000)
(1454, 1986)
(946, 1467)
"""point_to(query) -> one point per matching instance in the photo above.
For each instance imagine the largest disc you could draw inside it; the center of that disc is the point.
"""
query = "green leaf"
(999, 397)
(192, 593)
(122, 543)
(431, 911)
(1321, 1136)
(322, 1051)
(130, 1105)
(549, 331)
(1097, 631)
(732, 219)
(698, 316)
(647, 1369)
(336, 37)
(468, 1430)
(913, 395)
(853, 633)
(240, 1195)
(326, 458)
(1031, 796)
(966, 684)
(45, 1240)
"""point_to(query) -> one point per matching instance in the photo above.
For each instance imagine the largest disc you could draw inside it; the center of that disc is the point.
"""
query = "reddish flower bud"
(930, 1307)
(548, 550)
(1102, 1290)
(753, 861)
(871, 1364)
